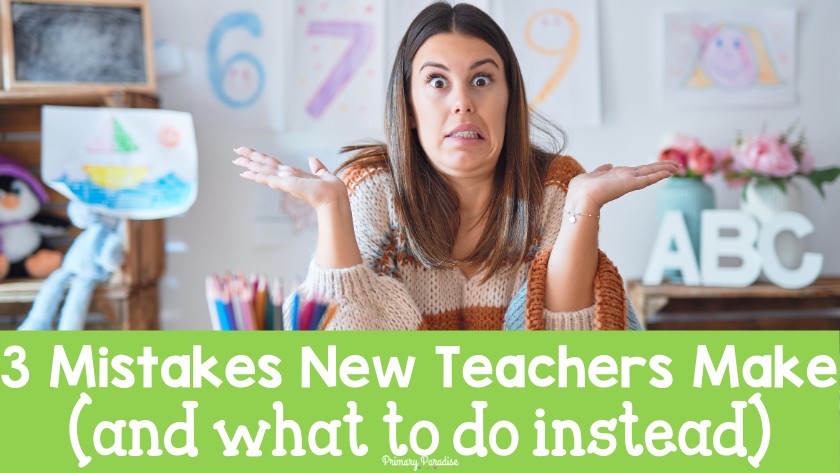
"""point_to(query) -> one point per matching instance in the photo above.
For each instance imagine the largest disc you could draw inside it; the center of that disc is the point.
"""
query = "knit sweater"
(391, 290)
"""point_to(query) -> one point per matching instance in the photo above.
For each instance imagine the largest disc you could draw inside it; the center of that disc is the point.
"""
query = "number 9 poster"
(556, 42)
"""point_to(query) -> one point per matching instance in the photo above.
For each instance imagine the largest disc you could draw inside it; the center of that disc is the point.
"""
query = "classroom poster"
(717, 59)
(556, 42)
(128, 163)
(338, 72)
(402, 12)
(234, 75)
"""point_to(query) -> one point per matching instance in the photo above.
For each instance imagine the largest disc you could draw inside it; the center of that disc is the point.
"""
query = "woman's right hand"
(318, 188)
(336, 246)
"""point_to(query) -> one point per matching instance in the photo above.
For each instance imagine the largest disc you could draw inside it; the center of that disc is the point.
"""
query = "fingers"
(265, 174)
(264, 158)
(243, 151)
(660, 166)
(649, 179)
(669, 167)
(248, 155)
(316, 166)
(255, 166)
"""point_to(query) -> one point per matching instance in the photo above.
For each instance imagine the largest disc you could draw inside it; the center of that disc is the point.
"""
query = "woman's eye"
(438, 82)
(481, 81)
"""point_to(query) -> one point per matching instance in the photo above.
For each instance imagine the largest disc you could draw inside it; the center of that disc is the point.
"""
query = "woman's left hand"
(607, 183)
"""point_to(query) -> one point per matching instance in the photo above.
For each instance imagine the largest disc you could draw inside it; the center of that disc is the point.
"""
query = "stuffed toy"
(23, 226)
(93, 256)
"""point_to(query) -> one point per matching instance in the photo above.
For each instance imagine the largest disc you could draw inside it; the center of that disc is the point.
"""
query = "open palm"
(317, 187)
(607, 183)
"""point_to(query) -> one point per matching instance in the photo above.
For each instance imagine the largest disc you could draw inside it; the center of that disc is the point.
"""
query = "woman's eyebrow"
(484, 61)
(478, 63)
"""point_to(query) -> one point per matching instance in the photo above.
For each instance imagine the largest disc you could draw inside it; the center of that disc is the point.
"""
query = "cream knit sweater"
(390, 290)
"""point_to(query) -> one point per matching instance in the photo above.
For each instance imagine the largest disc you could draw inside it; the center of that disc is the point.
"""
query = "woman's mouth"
(468, 135)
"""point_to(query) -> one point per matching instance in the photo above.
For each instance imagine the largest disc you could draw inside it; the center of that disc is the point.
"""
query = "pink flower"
(765, 155)
(692, 157)
(671, 154)
(701, 161)
(806, 164)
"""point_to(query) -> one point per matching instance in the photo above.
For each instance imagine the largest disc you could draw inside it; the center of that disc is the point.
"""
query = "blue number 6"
(250, 22)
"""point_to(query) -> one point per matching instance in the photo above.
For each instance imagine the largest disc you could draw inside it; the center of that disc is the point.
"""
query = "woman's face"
(459, 97)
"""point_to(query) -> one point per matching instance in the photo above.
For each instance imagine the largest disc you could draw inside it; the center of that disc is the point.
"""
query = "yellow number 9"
(568, 51)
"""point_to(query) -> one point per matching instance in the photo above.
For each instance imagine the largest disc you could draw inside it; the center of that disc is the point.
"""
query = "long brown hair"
(426, 205)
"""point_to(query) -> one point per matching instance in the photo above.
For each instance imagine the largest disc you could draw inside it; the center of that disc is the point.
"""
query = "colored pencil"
(293, 310)
(320, 309)
(305, 316)
(245, 304)
(277, 305)
(330, 314)
(212, 302)
(259, 303)
(228, 305)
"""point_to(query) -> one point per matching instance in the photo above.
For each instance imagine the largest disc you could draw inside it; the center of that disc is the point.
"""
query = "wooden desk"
(760, 306)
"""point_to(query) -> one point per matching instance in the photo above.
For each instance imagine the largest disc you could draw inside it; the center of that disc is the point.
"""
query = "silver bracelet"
(574, 215)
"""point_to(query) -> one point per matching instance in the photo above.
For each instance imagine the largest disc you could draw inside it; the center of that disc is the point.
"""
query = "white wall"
(217, 234)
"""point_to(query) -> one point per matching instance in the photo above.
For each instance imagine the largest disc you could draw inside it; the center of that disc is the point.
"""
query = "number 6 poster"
(337, 79)
(233, 75)
(556, 42)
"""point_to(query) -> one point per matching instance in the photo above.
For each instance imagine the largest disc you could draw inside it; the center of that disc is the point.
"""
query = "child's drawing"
(736, 59)
(128, 163)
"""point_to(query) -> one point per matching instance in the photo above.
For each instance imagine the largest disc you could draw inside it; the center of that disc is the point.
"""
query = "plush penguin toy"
(23, 227)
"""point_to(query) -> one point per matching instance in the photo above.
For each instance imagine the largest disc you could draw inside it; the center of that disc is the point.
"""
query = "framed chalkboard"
(84, 45)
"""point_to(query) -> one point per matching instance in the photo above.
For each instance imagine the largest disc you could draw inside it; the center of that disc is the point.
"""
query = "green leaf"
(823, 176)
(779, 182)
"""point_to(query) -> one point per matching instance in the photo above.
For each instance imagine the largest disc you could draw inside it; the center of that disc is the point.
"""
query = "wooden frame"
(138, 73)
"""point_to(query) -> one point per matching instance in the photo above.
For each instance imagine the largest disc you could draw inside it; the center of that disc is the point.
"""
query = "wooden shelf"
(56, 97)
(759, 306)
(130, 299)
(23, 291)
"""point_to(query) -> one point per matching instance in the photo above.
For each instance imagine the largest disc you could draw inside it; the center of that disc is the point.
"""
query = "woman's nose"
(461, 101)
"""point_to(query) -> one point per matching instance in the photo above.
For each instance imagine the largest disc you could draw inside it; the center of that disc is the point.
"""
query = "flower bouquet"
(694, 159)
(775, 158)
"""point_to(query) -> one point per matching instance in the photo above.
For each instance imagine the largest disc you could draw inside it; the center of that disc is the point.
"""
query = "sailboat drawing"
(115, 146)
(114, 160)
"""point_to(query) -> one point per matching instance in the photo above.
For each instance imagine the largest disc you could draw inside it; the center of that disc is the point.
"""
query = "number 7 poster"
(338, 76)
(556, 42)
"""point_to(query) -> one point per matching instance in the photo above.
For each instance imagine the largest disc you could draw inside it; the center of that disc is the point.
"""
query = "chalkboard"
(77, 43)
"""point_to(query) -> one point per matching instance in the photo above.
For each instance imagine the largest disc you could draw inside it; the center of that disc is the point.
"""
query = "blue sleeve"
(632, 321)
(515, 315)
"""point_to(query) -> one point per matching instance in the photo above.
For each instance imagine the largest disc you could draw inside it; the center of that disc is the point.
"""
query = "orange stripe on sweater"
(468, 318)
(561, 171)
(610, 301)
(356, 175)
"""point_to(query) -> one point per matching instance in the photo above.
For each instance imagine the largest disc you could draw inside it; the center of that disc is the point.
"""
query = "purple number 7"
(361, 35)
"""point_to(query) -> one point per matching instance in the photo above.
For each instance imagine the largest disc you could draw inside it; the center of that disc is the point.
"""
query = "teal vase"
(691, 196)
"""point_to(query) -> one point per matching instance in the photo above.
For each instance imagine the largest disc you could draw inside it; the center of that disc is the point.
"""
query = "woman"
(458, 221)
